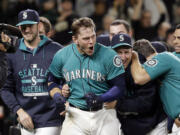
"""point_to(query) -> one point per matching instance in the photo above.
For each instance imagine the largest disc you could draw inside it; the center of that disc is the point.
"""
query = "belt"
(86, 109)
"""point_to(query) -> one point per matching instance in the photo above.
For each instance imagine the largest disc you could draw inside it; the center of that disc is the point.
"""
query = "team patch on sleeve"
(117, 61)
(151, 63)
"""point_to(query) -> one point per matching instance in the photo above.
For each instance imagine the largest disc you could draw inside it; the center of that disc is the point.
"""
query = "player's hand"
(25, 119)
(65, 90)
(110, 105)
(64, 112)
(5, 38)
(177, 122)
(134, 55)
(92, 100)
(2, 48)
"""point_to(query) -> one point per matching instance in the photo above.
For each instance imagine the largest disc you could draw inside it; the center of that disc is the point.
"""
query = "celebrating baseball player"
(26, 89)
(164, 65)
(93, 73)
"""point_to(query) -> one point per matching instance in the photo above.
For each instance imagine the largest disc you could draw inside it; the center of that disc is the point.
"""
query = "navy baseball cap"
(103, 39)
(159, 46)
(28, 16)
(121, 40)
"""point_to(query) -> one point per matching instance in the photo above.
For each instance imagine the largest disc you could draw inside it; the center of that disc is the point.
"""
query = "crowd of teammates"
(97, 85)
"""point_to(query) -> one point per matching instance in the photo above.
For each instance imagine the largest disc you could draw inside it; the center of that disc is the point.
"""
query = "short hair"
(178, 26)
(123, 22)
(144, 47)
(82, 22)
(46, 23)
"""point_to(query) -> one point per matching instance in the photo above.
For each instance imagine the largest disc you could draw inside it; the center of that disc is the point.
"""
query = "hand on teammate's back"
(110, 105)
(177, 122)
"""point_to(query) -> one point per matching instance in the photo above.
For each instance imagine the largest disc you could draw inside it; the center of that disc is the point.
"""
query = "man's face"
(29, 32)
(85, 40)
(117, 29)
(146, 19)
(176, 40)
(125, 54)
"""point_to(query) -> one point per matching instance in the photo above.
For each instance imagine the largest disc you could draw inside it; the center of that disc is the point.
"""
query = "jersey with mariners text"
(166, 66)
(85, 73)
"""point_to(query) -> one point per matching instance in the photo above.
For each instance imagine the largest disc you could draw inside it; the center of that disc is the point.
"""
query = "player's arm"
(116, 91)
(54, 88)
(139, 74)
(110, 97)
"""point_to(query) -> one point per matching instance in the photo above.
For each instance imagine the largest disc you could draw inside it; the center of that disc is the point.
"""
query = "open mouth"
(91, 48)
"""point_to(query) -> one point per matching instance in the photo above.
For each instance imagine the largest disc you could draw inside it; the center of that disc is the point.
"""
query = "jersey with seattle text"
(85, 73)
(166, 66)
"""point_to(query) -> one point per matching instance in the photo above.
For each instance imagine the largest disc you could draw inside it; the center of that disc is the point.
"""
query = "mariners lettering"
(91, 74)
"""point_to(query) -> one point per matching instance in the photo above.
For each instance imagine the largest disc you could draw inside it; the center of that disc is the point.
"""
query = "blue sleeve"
(55, 82)
(7, 92)
(117, 90)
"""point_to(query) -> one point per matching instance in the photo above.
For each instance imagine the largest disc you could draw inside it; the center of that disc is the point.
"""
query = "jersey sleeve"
(114, 66)
(56, 65)
(157, 66)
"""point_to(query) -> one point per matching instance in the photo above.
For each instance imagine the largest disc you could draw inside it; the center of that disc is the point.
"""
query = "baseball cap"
(103, 39)
(28, 16)
(121, 40)
(159, 46)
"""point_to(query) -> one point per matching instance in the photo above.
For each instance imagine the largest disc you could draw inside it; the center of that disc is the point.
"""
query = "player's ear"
(74, 38)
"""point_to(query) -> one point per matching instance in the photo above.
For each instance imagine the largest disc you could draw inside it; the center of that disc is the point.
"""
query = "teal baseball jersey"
(176, 54)
(167, 66)
(85, 73)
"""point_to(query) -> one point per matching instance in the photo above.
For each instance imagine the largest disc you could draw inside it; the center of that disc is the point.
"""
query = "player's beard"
(34, 36)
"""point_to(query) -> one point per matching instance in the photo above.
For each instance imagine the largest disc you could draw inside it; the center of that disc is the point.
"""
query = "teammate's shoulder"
(65, 49)
(167, 54)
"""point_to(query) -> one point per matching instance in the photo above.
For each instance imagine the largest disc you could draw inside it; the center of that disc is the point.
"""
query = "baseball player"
(176, 45)
(93, 73)
(164, 65)
(140, 110)
(26, 89)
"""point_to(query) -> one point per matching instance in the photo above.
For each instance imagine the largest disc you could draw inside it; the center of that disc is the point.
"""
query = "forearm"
(54, 91)
(138, 72)
(137, 10)
(160, 8)
(10, 100)
(116, 91)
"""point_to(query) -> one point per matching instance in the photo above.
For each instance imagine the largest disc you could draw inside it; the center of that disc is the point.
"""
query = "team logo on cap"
(121, 38)
(152, 63)
(117, 61)
(24, 15)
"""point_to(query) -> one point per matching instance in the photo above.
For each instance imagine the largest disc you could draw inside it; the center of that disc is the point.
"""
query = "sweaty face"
(29, 32)
(117, 29)
(85, 40)
(176, 40)
(125, 55)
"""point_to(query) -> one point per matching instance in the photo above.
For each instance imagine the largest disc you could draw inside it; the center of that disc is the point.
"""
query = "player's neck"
(152, 55)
